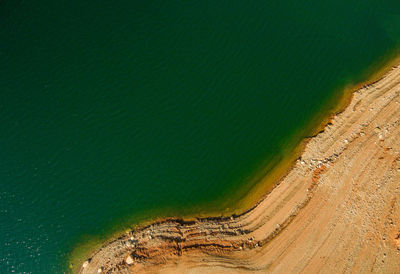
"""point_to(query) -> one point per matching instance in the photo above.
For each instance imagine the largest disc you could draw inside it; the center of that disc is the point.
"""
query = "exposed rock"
(129, 260)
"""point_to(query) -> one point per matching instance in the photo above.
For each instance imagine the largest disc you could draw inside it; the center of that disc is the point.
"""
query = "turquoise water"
(121, 110)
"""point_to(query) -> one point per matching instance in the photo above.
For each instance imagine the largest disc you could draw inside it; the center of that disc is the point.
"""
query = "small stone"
(99, 270)
(129, 260)
(132, 238)
(346, 141)
(85, 264)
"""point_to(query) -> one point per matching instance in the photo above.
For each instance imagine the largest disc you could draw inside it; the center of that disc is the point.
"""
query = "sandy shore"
(337, 210)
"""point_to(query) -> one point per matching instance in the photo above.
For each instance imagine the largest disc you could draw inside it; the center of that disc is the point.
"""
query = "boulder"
(129, 260)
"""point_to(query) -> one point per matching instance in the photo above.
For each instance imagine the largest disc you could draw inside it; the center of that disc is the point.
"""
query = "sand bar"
(337, 210)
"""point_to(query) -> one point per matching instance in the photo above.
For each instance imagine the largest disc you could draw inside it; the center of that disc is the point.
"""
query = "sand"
(336, 210)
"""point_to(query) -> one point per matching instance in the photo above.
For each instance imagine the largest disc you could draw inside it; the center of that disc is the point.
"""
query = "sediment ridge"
(336, 210)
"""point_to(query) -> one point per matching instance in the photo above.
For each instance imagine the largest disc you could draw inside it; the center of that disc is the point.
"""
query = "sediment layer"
(337, 210)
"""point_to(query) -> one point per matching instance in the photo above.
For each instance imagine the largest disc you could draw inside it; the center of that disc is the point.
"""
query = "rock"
(129, 260)
(99, 270)
(85, 264)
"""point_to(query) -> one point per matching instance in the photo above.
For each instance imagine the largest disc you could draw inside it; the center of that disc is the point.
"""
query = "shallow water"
(123, 110)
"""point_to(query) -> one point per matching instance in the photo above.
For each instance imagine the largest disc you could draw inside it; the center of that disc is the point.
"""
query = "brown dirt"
(337, 210)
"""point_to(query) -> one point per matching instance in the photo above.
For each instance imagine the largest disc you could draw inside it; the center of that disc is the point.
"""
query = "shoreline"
(175, 242)
(262, 181)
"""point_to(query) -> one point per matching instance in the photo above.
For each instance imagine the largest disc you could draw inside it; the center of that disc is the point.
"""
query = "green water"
(122, 110)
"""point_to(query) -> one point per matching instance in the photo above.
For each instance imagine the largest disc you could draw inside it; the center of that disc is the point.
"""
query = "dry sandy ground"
(337, 210)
